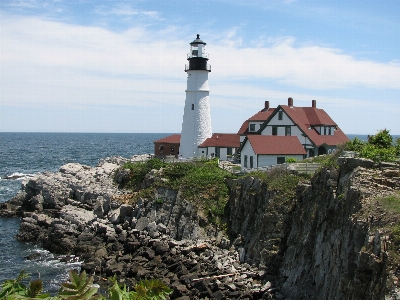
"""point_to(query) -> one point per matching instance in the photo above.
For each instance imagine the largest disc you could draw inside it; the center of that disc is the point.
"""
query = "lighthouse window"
(192, 106)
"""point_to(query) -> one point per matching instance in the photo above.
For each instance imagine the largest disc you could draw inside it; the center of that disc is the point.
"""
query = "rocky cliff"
(332, 239)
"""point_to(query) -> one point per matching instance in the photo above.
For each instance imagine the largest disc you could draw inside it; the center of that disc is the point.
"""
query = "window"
(251, 162)
(172, 149)
(161, 147)
(245, 161)
(217, 152)
(274, 130)
(330, 130)
(324, 130)
(229, 151)
(252, 127)
(280, 115)
(192, 106)
(288, 130)
(280, 160)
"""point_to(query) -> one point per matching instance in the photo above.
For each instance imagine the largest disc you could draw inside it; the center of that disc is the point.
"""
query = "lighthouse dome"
(197, 41)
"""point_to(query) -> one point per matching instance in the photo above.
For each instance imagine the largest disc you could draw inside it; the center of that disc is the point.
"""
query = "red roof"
(172, 139)
(262, 115)
(278, 145)
(231, 140)
(306, 117)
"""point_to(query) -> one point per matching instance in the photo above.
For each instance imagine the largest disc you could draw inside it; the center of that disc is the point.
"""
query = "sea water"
(24, 154)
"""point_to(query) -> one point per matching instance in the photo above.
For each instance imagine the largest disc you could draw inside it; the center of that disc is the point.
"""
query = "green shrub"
(148, 289)
(355, 145)
(14, 289)
(140, 169)
(176, 171)
(377, 153)
(381, 140)
(291, 160)
(380, 147)
(397, 146)
(80, 287)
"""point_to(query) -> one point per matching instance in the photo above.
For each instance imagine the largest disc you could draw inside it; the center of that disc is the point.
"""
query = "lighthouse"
(196, 125)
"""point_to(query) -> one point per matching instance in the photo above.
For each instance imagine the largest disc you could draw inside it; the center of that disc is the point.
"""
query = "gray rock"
(142, 223)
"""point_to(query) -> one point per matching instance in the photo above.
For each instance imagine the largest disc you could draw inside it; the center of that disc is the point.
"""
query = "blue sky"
(118, 66)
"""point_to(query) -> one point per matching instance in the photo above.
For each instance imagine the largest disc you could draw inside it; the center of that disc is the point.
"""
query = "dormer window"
(326, 130)
(252, 127)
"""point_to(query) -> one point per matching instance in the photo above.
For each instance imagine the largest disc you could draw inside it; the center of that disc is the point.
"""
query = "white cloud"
(124, 9)
(57, 64)
(311, 67)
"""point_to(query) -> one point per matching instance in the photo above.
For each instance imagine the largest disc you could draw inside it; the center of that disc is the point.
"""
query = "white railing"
(307, 168)
(204, 55)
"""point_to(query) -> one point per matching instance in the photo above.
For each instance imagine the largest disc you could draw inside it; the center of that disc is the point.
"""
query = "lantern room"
(197, 56)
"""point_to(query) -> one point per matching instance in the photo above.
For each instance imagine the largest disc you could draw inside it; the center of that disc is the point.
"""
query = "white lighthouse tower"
(196, 125)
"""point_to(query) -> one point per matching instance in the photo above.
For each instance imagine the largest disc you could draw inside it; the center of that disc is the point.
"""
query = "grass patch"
(201, 182)
(138, 171)
(281, 180)
(391, 203)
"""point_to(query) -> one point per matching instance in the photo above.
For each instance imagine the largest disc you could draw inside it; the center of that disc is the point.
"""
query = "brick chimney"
(266, 105)
(290, 102)
(314, 103)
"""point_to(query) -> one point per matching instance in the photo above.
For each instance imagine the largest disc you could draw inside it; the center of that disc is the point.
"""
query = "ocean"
(25, 154)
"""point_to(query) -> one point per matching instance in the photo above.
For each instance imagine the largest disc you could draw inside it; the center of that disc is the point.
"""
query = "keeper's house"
(274, 134)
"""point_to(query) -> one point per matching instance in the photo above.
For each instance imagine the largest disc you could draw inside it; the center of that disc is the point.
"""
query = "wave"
(53, 269)
(17, 176)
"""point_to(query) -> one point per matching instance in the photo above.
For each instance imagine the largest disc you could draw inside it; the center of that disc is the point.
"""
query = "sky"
(118, 66)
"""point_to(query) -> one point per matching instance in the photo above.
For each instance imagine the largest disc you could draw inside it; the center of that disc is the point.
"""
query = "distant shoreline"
(364, 137)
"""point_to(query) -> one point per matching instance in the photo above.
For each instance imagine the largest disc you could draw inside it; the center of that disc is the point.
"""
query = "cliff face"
(329, 242)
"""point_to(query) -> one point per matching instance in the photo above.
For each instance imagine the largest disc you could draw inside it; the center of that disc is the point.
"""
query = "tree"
(381, 140)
